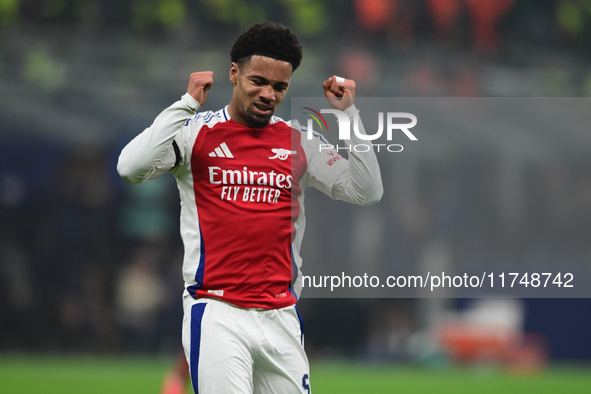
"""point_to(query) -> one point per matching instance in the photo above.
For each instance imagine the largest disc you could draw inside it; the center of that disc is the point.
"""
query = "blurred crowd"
(85, 264)
(88, 263)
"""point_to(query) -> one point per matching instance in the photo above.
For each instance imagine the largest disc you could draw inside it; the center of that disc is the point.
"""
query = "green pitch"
(112, 375)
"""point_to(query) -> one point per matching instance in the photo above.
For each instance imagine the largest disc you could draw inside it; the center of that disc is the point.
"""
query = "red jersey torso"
(246, 183)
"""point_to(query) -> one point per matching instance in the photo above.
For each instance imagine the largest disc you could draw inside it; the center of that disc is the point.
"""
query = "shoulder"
(197, 125)
(277, 121)
(209, 118)
(302, 131)
(316, 146)
(310, 136)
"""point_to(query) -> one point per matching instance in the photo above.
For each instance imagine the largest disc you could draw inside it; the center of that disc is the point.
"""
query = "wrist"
(190, 102)
(351, 111)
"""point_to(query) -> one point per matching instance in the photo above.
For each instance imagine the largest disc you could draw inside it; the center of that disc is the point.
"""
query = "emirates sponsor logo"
(219, 176)
(249, 186)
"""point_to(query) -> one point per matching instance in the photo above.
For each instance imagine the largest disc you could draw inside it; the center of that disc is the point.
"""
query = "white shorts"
(236, 350)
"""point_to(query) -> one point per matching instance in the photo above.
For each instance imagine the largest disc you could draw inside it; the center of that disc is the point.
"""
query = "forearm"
(362, 183)
(145, 157)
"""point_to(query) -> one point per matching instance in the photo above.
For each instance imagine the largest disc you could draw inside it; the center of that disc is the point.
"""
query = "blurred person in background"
(241, 172)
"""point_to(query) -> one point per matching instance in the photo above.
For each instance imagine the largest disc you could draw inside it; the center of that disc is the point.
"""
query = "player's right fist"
(199, 84)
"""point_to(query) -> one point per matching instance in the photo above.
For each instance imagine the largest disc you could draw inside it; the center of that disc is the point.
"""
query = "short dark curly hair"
(268, 39)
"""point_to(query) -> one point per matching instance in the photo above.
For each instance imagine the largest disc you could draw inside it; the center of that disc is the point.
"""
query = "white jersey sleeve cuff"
(190, 102)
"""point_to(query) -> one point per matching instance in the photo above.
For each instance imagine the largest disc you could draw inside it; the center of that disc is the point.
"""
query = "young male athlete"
(241, 174)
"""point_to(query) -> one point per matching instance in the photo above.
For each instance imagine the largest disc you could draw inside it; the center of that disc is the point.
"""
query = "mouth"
(263, 109)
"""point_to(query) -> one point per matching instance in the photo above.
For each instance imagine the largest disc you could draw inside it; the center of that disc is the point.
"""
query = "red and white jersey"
(242, 197)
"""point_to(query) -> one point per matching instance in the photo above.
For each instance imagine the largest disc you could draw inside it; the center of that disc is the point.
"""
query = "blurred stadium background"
(91, 266)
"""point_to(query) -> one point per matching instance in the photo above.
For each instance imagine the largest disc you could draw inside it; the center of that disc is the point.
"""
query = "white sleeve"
(357, 180)
(152, 153)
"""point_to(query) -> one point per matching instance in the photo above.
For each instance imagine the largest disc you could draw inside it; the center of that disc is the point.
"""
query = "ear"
(234, 73)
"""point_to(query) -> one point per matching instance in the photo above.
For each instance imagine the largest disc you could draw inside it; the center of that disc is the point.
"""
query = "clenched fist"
(199, 84)
(340, 92)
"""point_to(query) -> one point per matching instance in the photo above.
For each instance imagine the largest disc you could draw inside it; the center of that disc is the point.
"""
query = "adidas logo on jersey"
(222, 151)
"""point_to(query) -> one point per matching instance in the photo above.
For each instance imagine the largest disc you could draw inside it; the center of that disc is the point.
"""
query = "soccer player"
(241, 174)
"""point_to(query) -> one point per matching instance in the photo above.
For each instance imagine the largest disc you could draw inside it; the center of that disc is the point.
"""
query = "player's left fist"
(340, 92)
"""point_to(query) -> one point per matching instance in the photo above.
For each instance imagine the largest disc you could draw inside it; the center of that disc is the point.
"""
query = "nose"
(267, 94)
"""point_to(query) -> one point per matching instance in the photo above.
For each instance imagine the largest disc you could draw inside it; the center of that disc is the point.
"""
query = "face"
(260, 84)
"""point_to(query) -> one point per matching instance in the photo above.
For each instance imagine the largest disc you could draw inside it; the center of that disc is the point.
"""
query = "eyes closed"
(277, 86)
